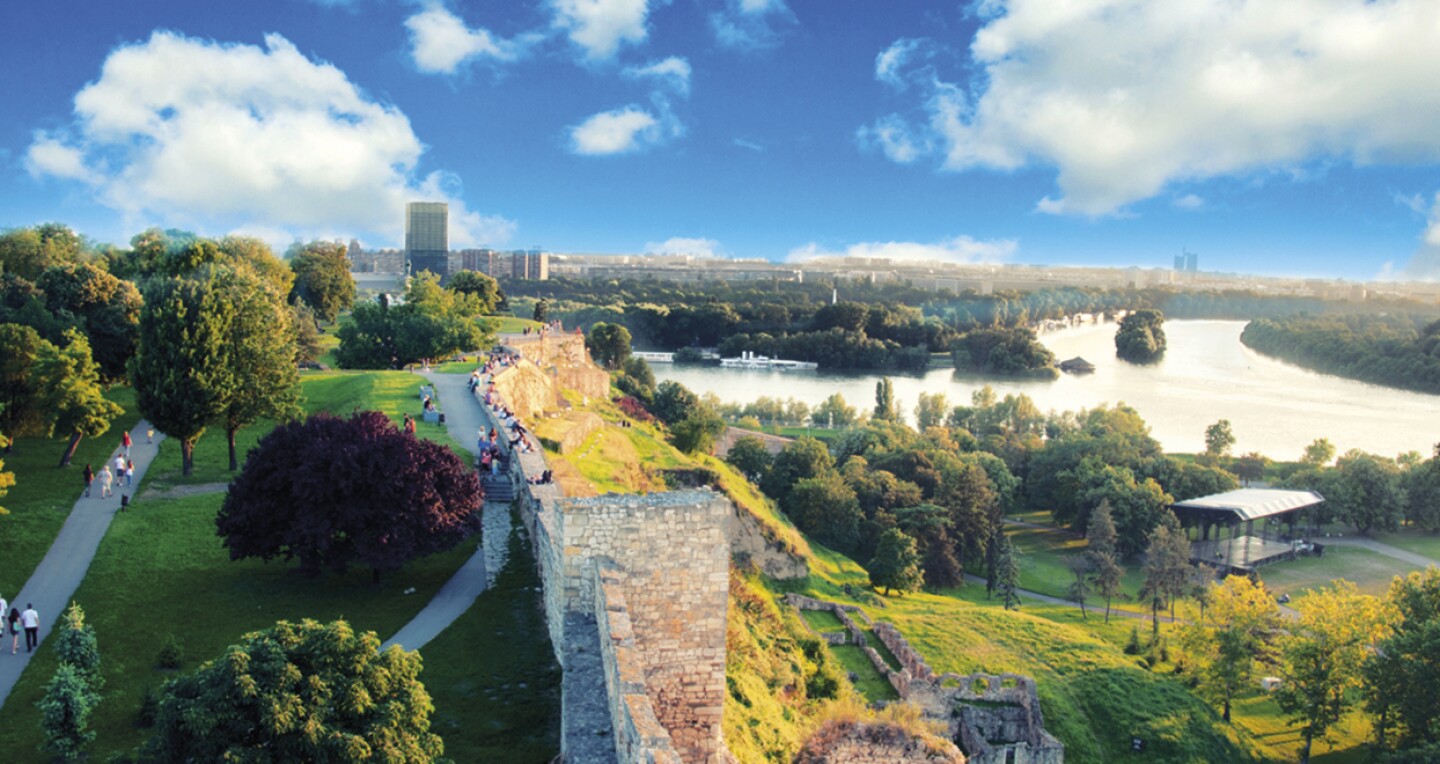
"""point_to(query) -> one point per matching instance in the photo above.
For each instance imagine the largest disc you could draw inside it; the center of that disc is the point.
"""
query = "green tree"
(1167, 566)
(260, 352)
(75, 644)
(673, 402)
(254, 256)
(308, 347)
(7, 479)
(65, 711)
(181, 372)
(1083, 571)
(1106, 575)
(20, 348)
(825, 508)
(635, 378)
(1007, 571)
(27, 252)
(609, 344)
(1322, 657)
(803, 458)
(1251, 467)
(1141, 336)
(105, 308)
(930, 411)
(482, 287)
(1403, 671)
(896, 564)
(299, 692)
(542, 311)
(749, 455)
(1318, 453)
(886, 410)
(1218, 439)
(1367, 491)
(833, 412)
(1234, 636)
(322, 277)
(433, 323)
(72, 400)
(696, 433)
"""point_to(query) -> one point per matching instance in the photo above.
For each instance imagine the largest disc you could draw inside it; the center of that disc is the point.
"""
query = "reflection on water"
(1206, 375)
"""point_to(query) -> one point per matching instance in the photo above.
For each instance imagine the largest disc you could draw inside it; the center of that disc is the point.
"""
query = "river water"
(1206, 375)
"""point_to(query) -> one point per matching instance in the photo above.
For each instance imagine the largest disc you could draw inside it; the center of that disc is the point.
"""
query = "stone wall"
(851, 742)
(564, 357)
(526, 389)
(639, 736)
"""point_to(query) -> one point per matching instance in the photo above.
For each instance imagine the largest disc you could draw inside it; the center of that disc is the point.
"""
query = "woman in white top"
(106, 478)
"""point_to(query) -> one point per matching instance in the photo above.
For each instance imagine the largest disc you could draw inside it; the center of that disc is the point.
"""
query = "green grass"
(1417, 541)
(161, 570)
(822, 620)
(867, 680)
(511, 324)
(1044, 565)
(44, 493)
(819, 433)
(493, 676)
(1371, 571)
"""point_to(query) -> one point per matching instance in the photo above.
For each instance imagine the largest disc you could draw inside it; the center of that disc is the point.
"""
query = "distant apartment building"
(531, 264)
(374, 260)
(427, 237)
(1188, 262)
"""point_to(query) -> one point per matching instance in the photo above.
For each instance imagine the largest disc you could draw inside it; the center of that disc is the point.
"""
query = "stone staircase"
(498, 488)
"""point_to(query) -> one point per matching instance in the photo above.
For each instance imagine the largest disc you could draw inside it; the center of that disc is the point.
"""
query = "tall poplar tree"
(261, 355)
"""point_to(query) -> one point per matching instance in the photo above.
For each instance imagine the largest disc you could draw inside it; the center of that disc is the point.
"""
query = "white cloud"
(680, 245)
(440, 42)
(198, 133)
(750, 24)
(746, 144)
(1123, 97)
(1190, 202)
(673, 71)
(894, 137)
(960, 249)
(1424, 265)
(618, 131)
(890, 63)
(600, 27)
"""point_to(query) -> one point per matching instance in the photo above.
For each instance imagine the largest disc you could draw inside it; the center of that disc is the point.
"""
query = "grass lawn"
(867, 680)
(44, 493)
(1371, 572)
(1416, 541)
(493, 676)
(161, 571)
(511, 324)
(1044, 565)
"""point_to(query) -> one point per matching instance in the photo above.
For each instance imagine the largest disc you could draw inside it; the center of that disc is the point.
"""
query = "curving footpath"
(464, 417)
(55, 580)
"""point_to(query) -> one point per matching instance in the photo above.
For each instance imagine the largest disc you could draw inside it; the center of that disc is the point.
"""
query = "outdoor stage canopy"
(1242, 553)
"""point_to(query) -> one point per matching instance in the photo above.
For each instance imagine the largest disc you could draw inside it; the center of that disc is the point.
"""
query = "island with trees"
(1392, 349)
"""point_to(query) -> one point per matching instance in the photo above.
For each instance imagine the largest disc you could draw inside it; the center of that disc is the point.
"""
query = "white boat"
(749, 360)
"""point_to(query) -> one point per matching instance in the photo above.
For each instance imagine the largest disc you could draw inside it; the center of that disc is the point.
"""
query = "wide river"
(1207, 374)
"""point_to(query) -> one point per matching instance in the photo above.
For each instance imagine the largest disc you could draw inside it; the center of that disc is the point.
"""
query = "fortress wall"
(639, 736)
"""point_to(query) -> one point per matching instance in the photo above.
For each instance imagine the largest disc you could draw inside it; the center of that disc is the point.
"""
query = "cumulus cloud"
(1189, 202)
(198, 133)
(680, 245)
(440, 42)
(960, 249)
(1123, 97)
(600, 27)
(893, 136)
(892, 63)
(627, 129)
(750, 24)
(673, 71)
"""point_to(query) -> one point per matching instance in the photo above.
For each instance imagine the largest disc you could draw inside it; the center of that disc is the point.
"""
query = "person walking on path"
(119, 470)
(31, 621)
(14, 629)
(125, 442)
(89, 478)
(105, 480)
(4, 609)
(129, 472)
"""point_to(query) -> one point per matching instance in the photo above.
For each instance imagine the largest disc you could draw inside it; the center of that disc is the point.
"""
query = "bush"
(172, 653)
(149, 705)
(1132, 645)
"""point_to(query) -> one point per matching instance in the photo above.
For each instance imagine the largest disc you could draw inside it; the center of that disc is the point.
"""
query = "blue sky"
(1270, 136)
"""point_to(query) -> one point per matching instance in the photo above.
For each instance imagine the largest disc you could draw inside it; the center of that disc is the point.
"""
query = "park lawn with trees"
(44, 493)
(1370, 571)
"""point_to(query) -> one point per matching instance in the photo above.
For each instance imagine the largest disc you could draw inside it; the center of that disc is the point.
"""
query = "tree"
(896, 564)
(542, 312)
(76, 645)
(1167, 563)
(7, 479)
(482, 287)
(825, 508)
(1007, 571)
(432, 323)
(105, 308)
(1141, 338)
(261, 355)
(696, 433)
(749, 455)
(72, 400)
(252, 255)
(1318, 453)
(335, 492)
(180, 372)
(65, 711)
(886, 409)
(609, 344)
(673, 402)
(1367, 491)
(20, 348)
(1251, 467)
(1082, 569)
(1106, 575)
(1322, 657)
(636, 379)
(1235, 634)
(930, 411)
(1218, 439)
(1403, 672)
(322, 277)
(299, 692)
(929, 526)
(1422, 493)
(833, 412)
(27, 252)
(307, 338)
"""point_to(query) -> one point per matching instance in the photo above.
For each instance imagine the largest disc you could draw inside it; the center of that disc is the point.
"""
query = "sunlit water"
(1206, 375)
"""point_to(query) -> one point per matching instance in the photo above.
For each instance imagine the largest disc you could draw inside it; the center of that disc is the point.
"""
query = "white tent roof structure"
(1252, 503)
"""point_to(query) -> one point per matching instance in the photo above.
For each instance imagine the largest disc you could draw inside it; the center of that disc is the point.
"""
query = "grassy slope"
(44, 493)
(161, 570)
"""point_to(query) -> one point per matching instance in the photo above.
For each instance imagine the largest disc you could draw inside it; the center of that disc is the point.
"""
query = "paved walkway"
(464, 419)
(54, 582)
(1382, 548)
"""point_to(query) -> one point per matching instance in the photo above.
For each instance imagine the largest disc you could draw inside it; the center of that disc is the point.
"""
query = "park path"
(1381, 548)
(54, 581)
(464, 418)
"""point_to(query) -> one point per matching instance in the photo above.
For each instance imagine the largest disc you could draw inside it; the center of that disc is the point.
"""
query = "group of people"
(543, 478)
(123, 474)
(18, 619)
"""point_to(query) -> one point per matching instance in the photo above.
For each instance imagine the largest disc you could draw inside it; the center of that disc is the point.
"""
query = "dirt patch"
(181, 491)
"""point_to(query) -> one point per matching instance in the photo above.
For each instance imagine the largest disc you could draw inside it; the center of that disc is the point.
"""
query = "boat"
(749, 360)
(1077, 365)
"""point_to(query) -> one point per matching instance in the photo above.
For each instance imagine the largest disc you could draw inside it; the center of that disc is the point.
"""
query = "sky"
(1278, 137)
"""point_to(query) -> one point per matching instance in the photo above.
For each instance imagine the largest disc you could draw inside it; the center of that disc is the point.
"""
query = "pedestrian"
(4, 608)
(14, 629)
(89, 478)
(31, 621)
(150, 435)
(129, 472)
(119, 469)
(105, 480)
(125, 441)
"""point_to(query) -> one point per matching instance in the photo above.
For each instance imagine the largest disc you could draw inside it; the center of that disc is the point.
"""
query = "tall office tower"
(1180, 262)
(533, 264)
(427, 237)
(1192, 262)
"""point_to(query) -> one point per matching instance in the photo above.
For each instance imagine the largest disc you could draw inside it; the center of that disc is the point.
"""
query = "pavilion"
(1237, 550)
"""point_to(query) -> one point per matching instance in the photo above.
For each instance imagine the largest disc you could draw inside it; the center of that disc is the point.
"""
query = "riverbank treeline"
(879, 326)
(1396, 350)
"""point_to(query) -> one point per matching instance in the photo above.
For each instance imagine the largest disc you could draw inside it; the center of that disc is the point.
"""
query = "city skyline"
(1285, 138)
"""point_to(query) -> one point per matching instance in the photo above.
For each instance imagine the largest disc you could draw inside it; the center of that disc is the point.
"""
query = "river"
(1206, 375)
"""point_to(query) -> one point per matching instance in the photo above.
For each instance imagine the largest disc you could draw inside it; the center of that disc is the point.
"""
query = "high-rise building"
(1180, 262)
(1192, 262)
(427, 237)
(531, 264)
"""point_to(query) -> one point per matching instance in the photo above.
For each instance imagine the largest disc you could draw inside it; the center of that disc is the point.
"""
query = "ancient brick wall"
(639, 735)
